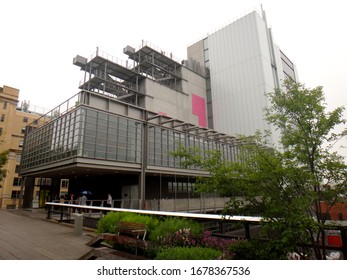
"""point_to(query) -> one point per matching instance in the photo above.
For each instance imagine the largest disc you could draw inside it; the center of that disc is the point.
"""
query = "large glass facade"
(111, 137)
(84, 132)
(163, 141)
(91, 133)
(57, 140)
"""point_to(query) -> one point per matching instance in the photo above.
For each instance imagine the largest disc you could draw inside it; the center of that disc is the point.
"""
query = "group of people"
(81, 199)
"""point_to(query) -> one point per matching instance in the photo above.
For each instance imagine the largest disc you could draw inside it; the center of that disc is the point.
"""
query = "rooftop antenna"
(263, 13)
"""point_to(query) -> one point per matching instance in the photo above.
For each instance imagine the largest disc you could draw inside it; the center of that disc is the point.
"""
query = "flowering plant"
(185, 238)
(182, 237)
(207, 240)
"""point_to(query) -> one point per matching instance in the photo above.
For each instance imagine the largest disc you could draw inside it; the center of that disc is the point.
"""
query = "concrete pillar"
(78, 223)
(27, 192)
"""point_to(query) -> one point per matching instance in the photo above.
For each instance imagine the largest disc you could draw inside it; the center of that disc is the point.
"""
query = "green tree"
(3, 161)
(284, 185)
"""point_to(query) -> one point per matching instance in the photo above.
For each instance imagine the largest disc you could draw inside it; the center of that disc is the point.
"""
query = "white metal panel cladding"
(244, 64)
(240, 73)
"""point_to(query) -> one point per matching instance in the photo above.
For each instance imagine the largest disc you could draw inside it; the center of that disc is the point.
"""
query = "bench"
(130, 234)
(132, 229)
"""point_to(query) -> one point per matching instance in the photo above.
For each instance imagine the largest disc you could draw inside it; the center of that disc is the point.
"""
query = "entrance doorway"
(43, 197)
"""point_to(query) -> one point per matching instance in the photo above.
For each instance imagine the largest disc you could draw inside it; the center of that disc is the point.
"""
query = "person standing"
(109, 200)
(72, 199)
(84, 200)
(71, 202)
(48, 199)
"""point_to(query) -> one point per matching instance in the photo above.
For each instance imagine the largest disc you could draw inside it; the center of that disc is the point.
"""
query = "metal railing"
(67, 208)
(190, 205)
(220, 225)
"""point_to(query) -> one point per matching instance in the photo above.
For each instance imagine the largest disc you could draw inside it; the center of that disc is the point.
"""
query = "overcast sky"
(39, 39)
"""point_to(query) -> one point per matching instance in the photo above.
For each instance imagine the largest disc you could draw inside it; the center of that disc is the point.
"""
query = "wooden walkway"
(27, 235)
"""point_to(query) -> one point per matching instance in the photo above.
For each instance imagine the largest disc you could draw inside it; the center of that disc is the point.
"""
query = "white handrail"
(163, 213)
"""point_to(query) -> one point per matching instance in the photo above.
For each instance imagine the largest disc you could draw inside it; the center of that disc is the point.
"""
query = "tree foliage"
(3, 161)
(286, 184)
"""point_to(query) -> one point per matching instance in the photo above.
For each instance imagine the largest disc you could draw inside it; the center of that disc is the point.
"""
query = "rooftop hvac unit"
(79, 61)
(129, 50)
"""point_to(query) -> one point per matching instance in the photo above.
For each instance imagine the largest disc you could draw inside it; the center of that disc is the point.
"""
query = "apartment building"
(14, 119)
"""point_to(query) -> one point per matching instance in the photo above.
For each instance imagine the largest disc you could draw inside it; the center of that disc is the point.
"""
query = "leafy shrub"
(256, 249)
(108, 222)
(170, 226)
(150, 221)
(188, 253)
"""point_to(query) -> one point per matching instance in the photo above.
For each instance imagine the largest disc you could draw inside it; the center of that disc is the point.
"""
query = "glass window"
(91, 126)
(170, 187)
(179, 186)
(113, 120)
(102, 116)
(101, 129)
(17, 181)
(100, 151)
(15, 194)
(64, 183)
(206, 44)
(102, 123)
(111, 152)
(91, 113)
(101, 141)
(17, 170)
(206, 55)
(121, 154)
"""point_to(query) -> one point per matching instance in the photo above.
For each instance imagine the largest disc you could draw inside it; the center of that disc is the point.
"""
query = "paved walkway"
(28, 235)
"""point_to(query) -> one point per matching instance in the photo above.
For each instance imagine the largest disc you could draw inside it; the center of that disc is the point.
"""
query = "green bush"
(256, 249)
(151, 222)
(108, 222)
(170, 226)
(188, 253)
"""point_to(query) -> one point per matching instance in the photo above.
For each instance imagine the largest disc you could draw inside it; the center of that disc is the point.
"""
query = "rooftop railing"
(57, 111)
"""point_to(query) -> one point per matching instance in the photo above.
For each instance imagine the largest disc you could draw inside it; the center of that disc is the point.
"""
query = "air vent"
(129, 50)
(79, 61)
